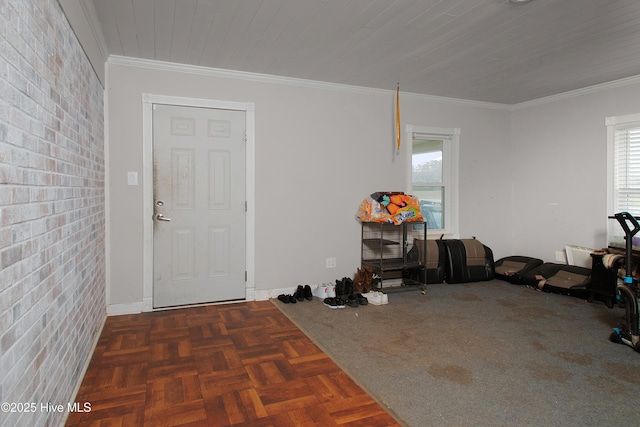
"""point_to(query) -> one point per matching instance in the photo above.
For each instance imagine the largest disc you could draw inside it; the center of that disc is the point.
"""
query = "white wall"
(485, 196)
(320, 149)
(559, 169)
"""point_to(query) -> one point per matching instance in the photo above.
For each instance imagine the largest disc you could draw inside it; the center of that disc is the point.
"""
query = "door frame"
(148, 100)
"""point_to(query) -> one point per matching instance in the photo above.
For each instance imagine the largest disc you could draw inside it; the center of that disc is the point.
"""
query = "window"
(623, 171)
(434, 176)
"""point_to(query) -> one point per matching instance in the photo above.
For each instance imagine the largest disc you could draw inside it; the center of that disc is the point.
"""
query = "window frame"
(450, 168)
(613, 124)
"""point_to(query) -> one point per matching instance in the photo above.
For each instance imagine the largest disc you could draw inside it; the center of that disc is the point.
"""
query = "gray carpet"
(483, 354)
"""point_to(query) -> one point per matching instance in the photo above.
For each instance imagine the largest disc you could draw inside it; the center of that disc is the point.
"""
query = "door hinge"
(245, 137)
(245, 206)
(245, 275)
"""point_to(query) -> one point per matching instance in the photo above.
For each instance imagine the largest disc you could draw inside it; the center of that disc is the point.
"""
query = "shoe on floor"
(307, 293)
(362, 300)
(331, 290)
(352, 301)
(321, 291)
(299, 294)
(385, 299)
(283, 298)
(348, 285)
(330, 302)
(373, 297)
(292, 299)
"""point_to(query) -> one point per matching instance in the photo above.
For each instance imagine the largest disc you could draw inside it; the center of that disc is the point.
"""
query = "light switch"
(132, 178)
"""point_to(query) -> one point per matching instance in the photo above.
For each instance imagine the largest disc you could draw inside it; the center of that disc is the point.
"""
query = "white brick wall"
(52, 235)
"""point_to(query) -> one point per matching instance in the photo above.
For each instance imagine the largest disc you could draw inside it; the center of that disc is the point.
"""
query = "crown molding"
(316, 84)
(239, 75)
(578, 92)
(291, 81)
(456, 101)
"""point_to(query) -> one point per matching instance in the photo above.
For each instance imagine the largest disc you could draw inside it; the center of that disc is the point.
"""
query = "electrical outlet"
(331, 262)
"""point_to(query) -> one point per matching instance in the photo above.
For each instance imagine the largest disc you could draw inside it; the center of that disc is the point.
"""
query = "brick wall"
(52, 216)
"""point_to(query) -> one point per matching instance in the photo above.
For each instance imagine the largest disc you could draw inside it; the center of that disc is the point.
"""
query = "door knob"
(161, 217)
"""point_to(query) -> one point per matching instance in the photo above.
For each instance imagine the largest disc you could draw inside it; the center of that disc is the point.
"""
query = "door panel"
(183, 253)
(219, 180)
(219, 255)
(183, 180)
(199, 185)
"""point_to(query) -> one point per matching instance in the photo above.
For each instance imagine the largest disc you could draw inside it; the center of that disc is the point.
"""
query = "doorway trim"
(148, 100)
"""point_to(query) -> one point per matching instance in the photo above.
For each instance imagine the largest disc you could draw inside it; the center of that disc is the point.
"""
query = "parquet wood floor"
(217, 365)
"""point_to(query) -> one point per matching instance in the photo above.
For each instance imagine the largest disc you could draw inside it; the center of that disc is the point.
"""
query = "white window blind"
(627, 169)
(623, 172)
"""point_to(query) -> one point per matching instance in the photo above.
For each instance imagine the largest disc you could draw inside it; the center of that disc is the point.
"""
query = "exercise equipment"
(627, 291)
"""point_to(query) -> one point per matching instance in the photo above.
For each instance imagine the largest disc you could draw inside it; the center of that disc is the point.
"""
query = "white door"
(199, 205)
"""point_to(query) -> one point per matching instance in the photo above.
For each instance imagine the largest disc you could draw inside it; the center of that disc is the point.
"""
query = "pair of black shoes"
(344, 292)
(287, 299)
(334, 302)
(301, 293)
(344, 287)
(354, 300)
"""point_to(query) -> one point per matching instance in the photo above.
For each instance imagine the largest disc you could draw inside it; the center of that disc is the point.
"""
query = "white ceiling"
(483, 50)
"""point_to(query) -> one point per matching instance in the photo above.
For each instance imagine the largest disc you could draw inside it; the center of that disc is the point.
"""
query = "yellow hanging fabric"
(398, 120)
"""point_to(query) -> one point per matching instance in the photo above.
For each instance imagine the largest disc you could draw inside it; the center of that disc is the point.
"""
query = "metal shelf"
(391, 252)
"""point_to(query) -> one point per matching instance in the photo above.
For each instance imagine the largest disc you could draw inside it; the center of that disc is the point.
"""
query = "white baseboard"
(128, 308)
(146, 304)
